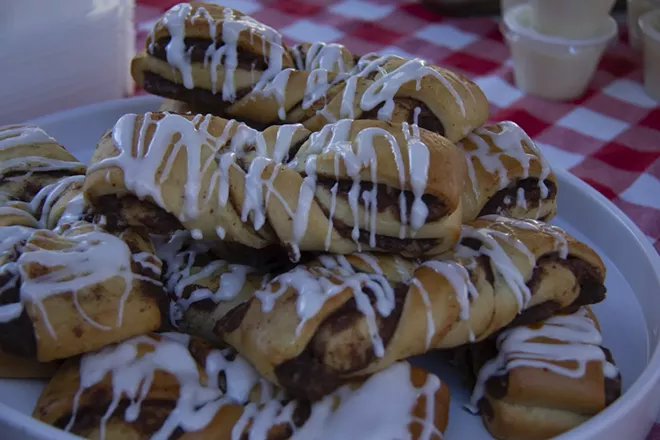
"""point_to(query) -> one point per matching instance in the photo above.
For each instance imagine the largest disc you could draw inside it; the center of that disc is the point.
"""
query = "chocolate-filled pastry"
(76, 290)
(508, 175)
(332, 57)
(327, 322)
(203, 288)
(546, 378)
(354, 185)
(29, 160)
(226, 63)
(174, 386)
(515, 272)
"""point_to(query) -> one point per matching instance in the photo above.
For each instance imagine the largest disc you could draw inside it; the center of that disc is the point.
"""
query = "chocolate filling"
(31, 184)
(592, 289)
(503, 201)
(117, 213)
(406, 106)
(16, 336)
(232, 320)
(152, 415)
(387, 198)
(196, 49)
(307, 376)
(417, 246)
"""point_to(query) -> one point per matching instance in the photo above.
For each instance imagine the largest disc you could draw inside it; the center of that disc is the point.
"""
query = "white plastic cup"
(637, 8)
(552, 67)
(649, 25)
(570, 18)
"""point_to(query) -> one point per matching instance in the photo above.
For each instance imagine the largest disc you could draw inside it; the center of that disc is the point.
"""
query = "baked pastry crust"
(546, 379)
(507, 175)
(313, 84)
(76, 290)
(324, 322)
(30, 159)
(227, 399)
(343, 189)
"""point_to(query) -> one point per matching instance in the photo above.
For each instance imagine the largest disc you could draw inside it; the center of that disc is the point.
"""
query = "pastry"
(159, 386)
(345, 188)
(322, 323)
(202, 287)
(30, 159)
(221, 61)
(518, 272)
(508, 175)
(546, 379)
(76, 290)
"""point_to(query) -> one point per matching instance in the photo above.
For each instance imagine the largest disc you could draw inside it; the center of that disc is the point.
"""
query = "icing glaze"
(578, 340)
(560, 238)
(508, 140)
(82, 259)
(313, 286)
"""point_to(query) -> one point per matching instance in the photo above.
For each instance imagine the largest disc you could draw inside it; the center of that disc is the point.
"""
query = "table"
(610, 137)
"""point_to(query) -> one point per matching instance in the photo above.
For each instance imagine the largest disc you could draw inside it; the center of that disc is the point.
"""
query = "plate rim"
(639, 389)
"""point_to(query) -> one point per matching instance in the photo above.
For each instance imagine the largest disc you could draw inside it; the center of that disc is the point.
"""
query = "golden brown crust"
(387, 149)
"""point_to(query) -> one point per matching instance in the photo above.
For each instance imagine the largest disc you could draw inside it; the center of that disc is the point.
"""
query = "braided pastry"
(348, 187)
(508, 175)
(195, 47)
(159, 386)
(30, 160)
(545, 379)
(320, 324)
(76, 290)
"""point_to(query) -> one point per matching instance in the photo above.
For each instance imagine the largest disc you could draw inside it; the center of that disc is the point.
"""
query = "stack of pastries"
(259, 258)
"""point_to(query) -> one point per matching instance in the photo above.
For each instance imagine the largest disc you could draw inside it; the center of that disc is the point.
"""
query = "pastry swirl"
(76, 290)
(318, 325)
(313, 84)
(348, 187)
(30, 159)
(507, 175)
(545, 379)
(159, 386)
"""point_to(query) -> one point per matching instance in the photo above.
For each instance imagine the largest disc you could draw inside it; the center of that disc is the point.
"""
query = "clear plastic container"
(570, 18)
(649, 24)
(637, 8)
(552, 67)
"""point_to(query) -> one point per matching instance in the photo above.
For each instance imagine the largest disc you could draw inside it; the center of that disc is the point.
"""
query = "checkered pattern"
(610, 137)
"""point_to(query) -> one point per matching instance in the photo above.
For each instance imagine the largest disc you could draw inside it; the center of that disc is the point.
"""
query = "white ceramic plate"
(630, 317)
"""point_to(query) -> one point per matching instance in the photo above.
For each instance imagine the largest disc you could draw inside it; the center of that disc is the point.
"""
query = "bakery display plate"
(630, 318)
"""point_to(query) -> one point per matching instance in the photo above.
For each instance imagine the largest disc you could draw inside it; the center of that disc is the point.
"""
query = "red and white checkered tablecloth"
(610, 137)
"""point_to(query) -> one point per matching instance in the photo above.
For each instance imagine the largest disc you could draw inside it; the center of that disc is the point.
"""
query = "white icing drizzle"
(328, 56)
(558, 235)
(382, 407)
(179, 255)
(500, 260)
(22, 210)
(418, 163)
(12, 136)
(315, 285)
(89, 259)
(383, 89)
(147, 166)
(133, 374)
(509, 141)
(44, 201)
(226, 54)
(578, 338)
(459, 279)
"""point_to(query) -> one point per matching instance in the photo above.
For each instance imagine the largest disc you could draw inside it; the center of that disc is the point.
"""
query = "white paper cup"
(637, 8)
(570, 18)
(552, 67)
(649, 25)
